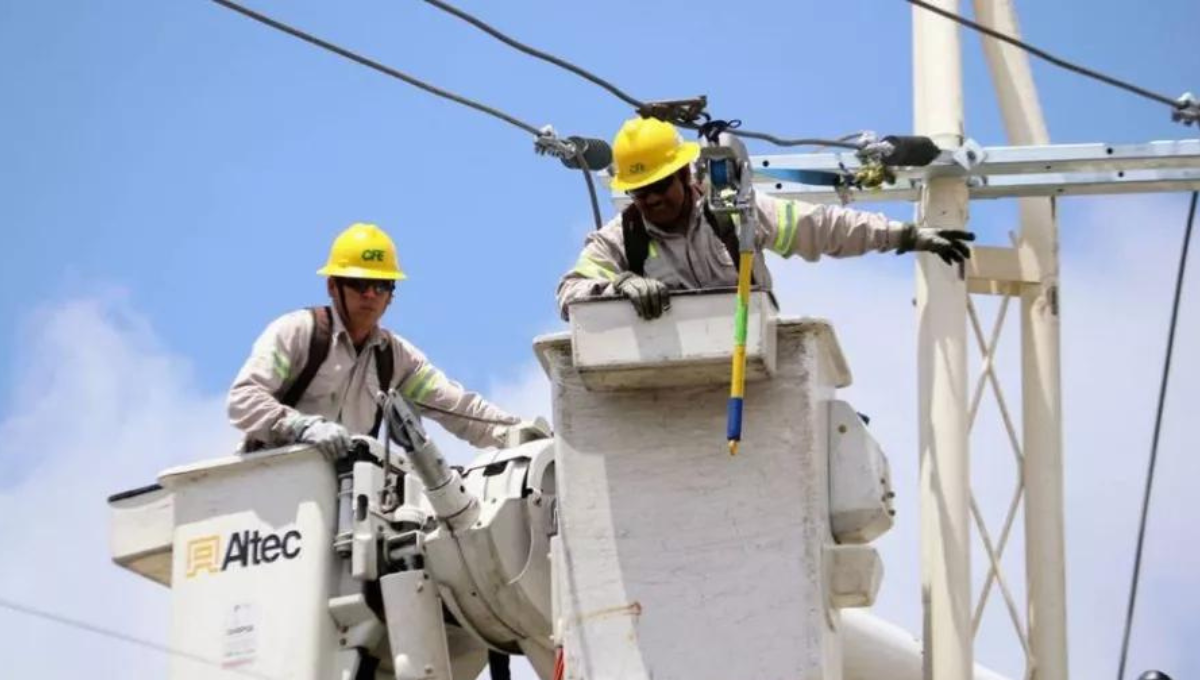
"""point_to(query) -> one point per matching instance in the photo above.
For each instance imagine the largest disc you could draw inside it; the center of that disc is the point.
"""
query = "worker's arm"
(277, 357)
(484, 425)
(596, 270)
(810, 230)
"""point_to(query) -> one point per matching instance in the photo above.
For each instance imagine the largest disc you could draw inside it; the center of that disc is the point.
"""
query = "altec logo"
(242, 549)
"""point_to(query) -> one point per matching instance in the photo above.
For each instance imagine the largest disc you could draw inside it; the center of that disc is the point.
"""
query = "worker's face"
(365, 300)
(665, 201)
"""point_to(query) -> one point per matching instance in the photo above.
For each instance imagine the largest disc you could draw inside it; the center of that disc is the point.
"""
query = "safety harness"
(637, 239)
(318, 350)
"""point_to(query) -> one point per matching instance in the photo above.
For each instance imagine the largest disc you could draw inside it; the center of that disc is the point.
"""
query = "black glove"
(948, 244)
(650, 297)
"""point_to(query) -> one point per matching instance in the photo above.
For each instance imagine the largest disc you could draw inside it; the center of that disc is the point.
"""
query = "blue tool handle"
(733, 428)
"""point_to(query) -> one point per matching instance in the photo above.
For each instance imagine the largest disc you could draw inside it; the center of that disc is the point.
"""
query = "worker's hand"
(650, 297)
(948, 244)
(331, 438)
(527, 431)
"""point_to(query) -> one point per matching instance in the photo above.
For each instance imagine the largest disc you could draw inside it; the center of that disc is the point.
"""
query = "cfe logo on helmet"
(363, 251)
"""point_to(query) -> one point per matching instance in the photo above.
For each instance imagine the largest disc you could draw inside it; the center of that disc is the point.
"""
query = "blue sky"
(193, 165)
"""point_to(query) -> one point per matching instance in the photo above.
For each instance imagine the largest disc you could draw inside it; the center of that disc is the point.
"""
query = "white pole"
(1040, 350)
(942, 364)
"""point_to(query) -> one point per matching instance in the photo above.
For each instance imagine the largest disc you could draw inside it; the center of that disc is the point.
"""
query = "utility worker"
(313, 374)
(666, 240)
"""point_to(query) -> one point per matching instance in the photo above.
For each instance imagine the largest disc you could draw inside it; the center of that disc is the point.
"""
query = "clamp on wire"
(1188, 110)
(710, 130)
(577, 153)
(872, 152)
(683, 112)
(548, 143)
(878, 158)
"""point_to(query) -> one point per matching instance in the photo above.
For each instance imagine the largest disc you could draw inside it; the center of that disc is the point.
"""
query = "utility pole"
(942, 363)
(1041, 395)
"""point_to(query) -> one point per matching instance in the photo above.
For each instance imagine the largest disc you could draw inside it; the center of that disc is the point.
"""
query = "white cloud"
(99, 406)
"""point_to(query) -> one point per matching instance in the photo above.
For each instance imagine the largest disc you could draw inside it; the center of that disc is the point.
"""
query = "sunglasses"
(361, 286)
(660, 187)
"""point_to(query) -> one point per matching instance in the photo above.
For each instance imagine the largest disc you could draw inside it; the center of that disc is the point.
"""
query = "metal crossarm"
(999, 172)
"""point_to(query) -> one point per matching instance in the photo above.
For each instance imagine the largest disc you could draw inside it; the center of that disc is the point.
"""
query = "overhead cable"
(544, 56)
(643, 108)
(123, 637)
(491, 421)
(372, 64)
(1158, 416)
(1186, 109)
(546, 142)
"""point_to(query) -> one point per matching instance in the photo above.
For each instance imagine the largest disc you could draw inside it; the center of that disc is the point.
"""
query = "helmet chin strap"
(343, 310)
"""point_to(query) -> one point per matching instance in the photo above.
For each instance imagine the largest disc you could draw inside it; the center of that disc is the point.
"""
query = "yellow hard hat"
(363, 251)
(646, 150)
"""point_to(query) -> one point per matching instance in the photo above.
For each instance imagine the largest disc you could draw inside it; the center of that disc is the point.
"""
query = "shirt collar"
(376, 337)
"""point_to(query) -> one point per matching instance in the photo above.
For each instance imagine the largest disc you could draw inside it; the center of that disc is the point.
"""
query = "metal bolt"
(428, 669)
(420, 587)
(342, 642)
(841, 429)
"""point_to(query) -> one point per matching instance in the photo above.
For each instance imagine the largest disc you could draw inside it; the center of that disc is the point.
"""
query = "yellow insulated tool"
(727, 175)
(737, 386)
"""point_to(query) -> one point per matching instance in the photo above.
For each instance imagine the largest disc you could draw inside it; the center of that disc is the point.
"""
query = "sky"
(171, 175)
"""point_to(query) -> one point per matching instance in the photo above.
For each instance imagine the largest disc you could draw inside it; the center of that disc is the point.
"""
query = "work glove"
(650, 297)
(527, 431)
(331, 438)
(948, 244)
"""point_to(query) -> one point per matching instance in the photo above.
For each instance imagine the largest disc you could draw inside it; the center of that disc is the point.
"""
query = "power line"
(547, 141)
(640, 105)
(372, 64)
(123, 637)
(544, 56)
(491, 421)
(1180, 105)
(1158, 415)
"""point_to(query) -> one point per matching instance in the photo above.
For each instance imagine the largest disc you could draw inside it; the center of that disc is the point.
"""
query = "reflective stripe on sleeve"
(592, 269)
(420, 383)
(785, 236)
(281, 364)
